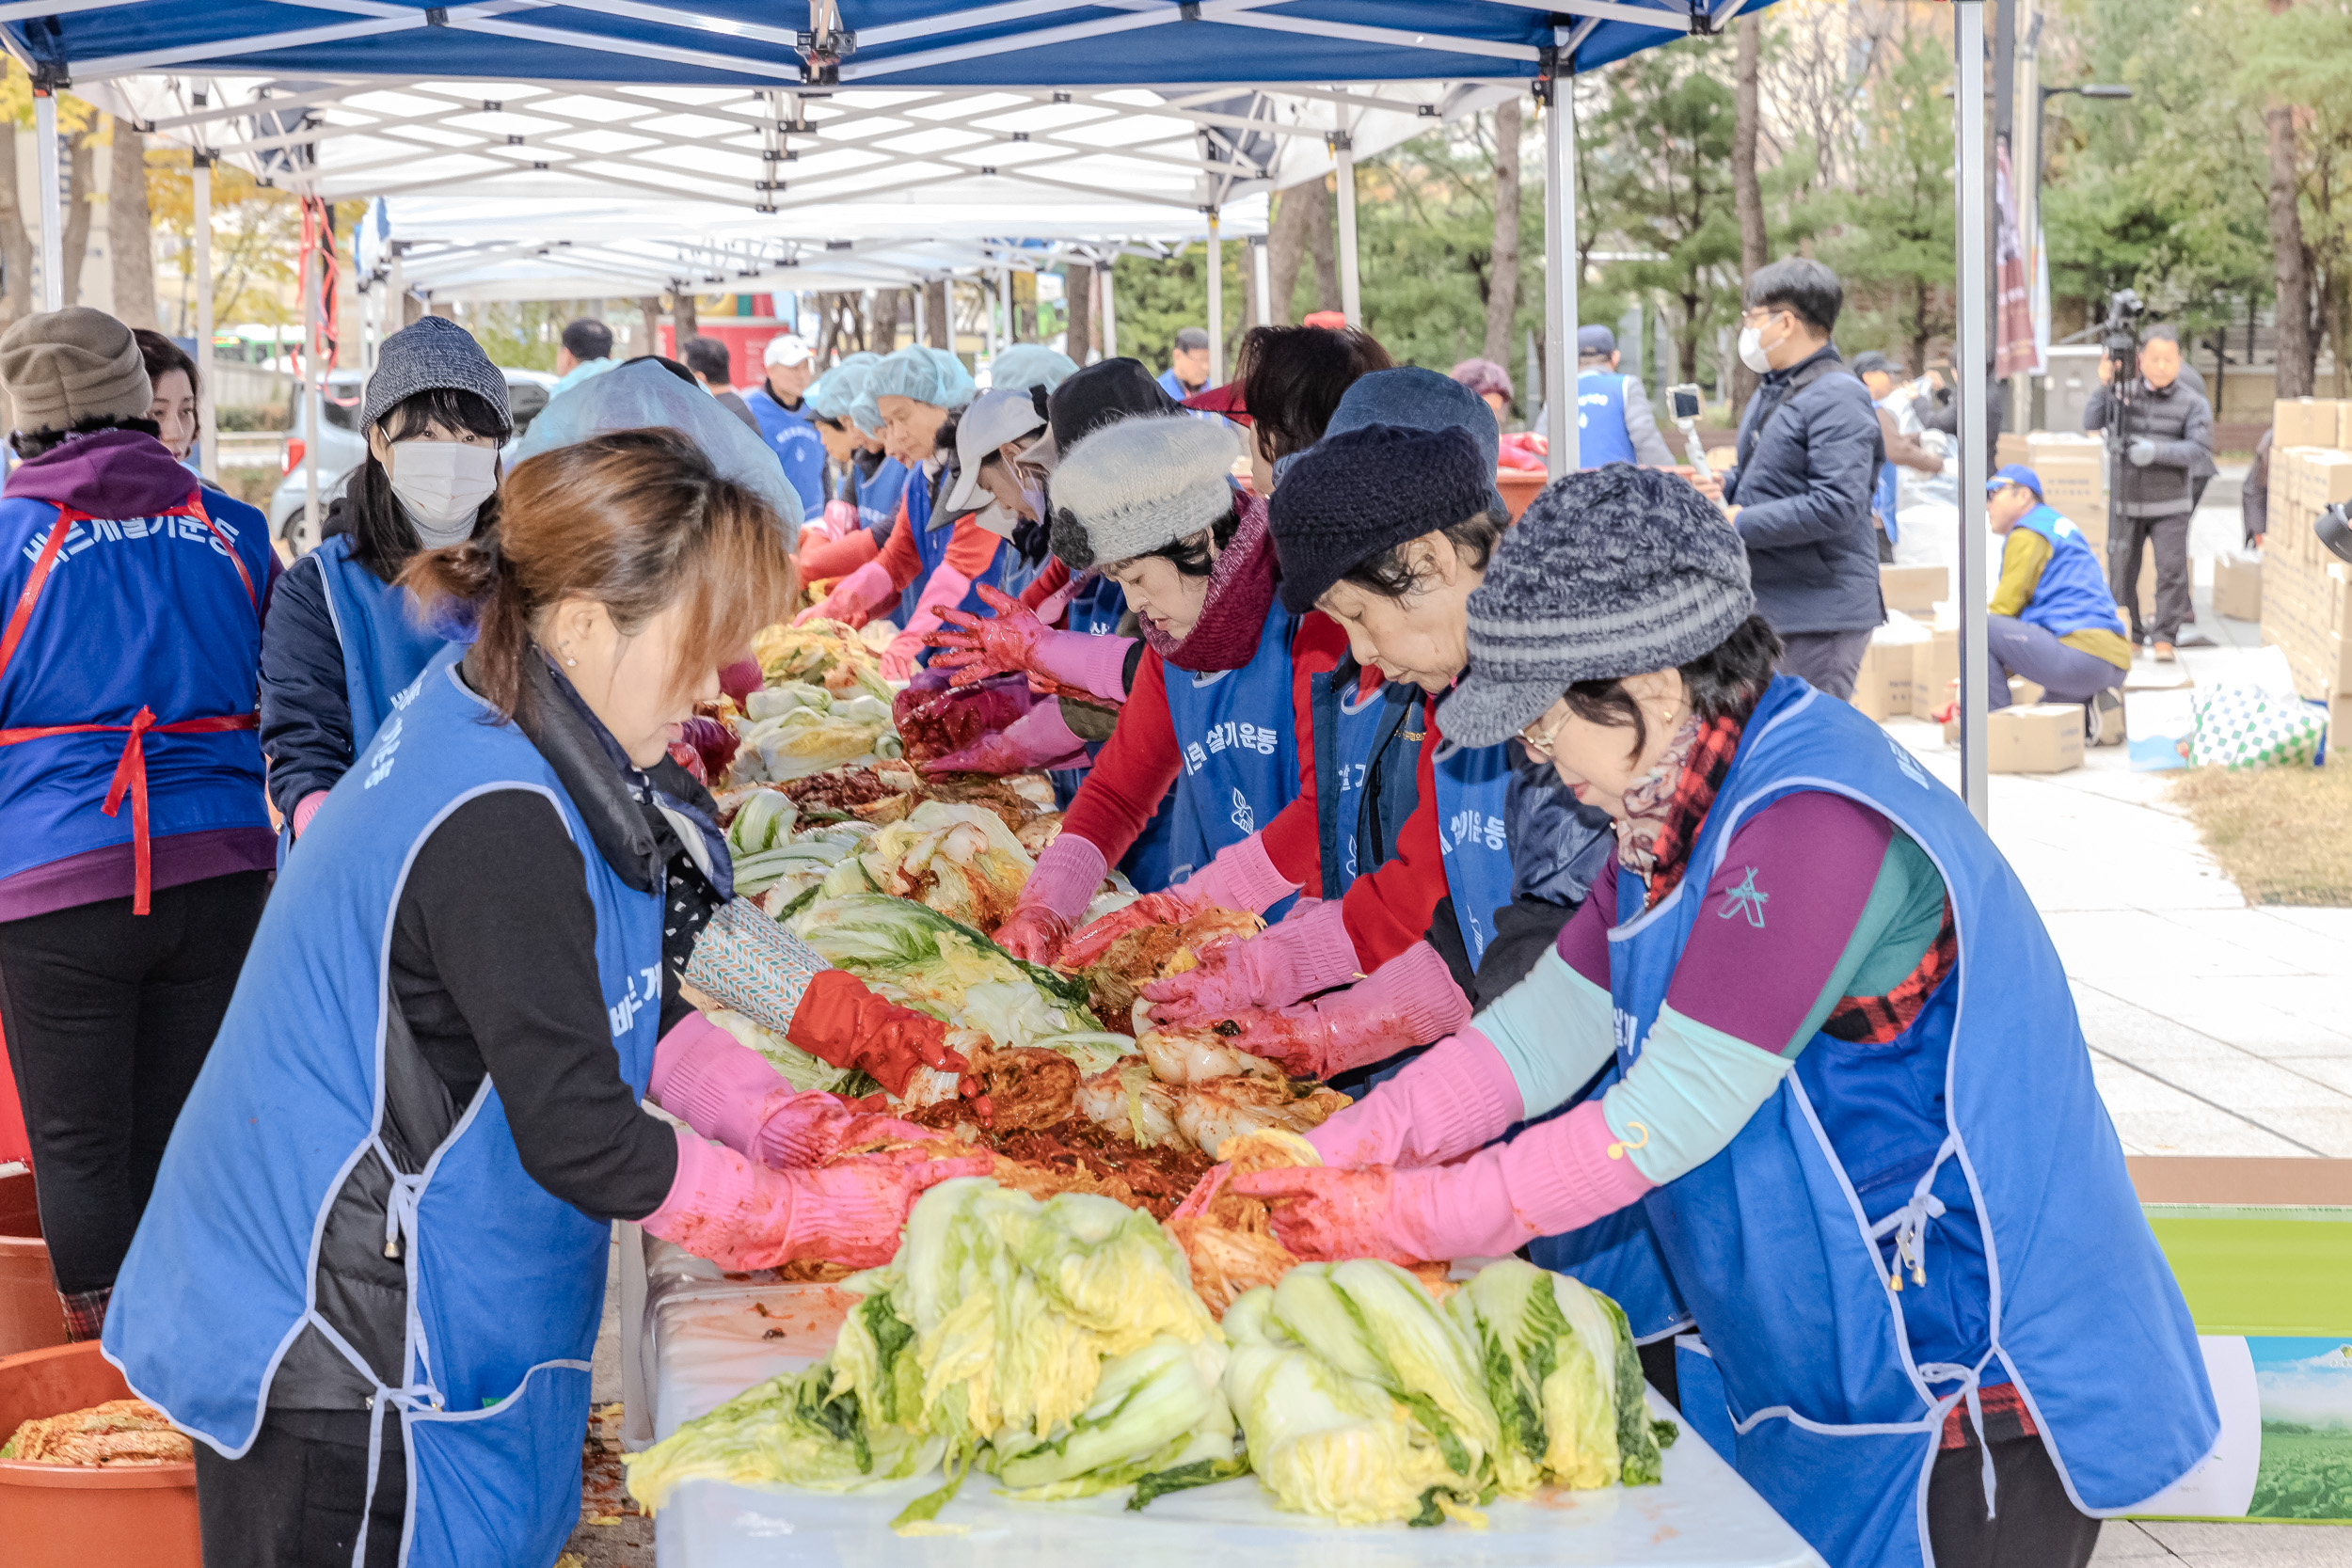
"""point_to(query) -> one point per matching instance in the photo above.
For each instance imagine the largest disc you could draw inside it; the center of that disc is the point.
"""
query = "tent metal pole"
(1351, 287)
(201, 262)
(1560, 279)
(1111, 314)
(988, 316)
(51, 217)
(313, 404)
(1004, 303)
(1262, 264)
(1968, 19)
(1216, 303)
(922, 310)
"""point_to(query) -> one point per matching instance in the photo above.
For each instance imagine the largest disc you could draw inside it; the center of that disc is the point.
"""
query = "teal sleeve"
(1687, 1095)
(1554, 1030)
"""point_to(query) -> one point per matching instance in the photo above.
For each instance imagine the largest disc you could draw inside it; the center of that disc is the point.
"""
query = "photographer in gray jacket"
(2166, 447)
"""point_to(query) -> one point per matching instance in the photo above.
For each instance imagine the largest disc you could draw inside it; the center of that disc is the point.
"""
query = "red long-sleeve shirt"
(1386, 911)
(1049, 582)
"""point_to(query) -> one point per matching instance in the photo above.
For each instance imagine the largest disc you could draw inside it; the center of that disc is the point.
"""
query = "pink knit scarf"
(1241, 592)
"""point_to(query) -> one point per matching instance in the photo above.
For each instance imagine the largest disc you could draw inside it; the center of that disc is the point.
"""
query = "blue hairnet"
(642, 395)
(931, 375)
(1024, 365)
(833, 394)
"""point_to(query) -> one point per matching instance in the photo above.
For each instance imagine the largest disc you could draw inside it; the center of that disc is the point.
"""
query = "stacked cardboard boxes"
(2073, 467)
(2307, 593)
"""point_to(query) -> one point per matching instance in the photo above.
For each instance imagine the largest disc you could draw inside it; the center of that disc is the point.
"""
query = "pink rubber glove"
(741, 1215)
(1303, 954)
(1039, 738)
(306, 809)
(1015, 640)
(840, 517)
(1552, 1178)
(1411, 999)
(1056, 893)
(723, 1089)
(854, 598)
(1456, 1095)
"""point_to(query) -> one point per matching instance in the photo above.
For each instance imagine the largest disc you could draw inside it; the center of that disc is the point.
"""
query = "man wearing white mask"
(342, 640)
(1800, 497)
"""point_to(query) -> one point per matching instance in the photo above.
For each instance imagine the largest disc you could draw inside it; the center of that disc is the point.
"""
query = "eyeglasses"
(1756, 315)
(1541, 744)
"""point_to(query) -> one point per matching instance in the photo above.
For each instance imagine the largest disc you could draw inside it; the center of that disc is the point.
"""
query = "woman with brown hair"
(374, 1285)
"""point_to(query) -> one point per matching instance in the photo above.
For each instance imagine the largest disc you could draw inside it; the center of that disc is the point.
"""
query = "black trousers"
(109, 1015)
(2168, 538)
(295, 1500)
(2034, 1524)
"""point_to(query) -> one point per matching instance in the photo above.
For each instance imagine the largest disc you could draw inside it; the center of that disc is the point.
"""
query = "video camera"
(2119, 336)
(2335, 530)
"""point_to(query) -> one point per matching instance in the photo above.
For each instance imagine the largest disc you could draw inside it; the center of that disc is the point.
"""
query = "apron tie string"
(1909, 1224)
(400, 1211)
(1968, 1379)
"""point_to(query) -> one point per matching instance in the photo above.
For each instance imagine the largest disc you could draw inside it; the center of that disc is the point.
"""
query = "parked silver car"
(342, 448)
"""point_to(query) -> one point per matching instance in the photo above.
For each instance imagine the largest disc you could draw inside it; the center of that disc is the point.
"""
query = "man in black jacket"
(2166, 447)
(1810, 454)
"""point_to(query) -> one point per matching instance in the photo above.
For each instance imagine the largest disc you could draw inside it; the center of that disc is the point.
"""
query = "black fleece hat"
(1111, 389)
(1361, 492)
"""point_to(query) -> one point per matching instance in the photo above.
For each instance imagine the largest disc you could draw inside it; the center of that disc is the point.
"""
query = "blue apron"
(1988, 1179)
(505, 1282)
(2072, 593)
(932, 533)
(1600, 433)
(1473, 795)
(1236, 736)
(384, 646)
(1097, 607)
(1885, 492)
(1350, 730)
(877, 496)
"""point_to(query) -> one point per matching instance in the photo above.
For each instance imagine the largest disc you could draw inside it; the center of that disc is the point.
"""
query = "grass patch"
(2284, 834)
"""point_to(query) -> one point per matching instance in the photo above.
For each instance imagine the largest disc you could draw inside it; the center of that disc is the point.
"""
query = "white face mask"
(441, 486)
(1752, 350)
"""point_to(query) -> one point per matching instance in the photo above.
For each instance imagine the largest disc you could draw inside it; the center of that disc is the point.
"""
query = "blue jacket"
(1808, 461)
(797, 446)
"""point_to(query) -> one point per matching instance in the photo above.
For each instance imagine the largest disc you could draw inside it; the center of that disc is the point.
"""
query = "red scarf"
(1232, 617)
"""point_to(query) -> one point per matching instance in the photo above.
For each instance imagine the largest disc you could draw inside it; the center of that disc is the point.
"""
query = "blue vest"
(797, 446)
(134, 614)
(384, 646)
(1976, 1143)
(1238, 745)
(505, 1280)
(1602, 436)
(2073, 595)
(1884, 494)
(877, 498)
(1473, 796)
(933, 530)
(1351, 731)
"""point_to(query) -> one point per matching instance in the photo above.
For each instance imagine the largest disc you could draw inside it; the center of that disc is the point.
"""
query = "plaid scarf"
(1664, 811)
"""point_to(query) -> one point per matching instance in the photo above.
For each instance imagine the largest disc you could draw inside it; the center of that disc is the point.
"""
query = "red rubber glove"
(1039, 738)
(840, 1021)
(977, 646)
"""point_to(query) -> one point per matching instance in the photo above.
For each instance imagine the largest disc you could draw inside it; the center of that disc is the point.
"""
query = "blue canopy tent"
(1028, 44)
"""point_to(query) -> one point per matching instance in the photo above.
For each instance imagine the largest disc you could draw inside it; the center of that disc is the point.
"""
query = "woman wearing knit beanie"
(1387, 527)
(1848, 1128)
(343, 638)
(934, 560)
(1148, 500)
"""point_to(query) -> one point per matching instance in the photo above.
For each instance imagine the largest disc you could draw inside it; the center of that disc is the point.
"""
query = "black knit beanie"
(1359, 495)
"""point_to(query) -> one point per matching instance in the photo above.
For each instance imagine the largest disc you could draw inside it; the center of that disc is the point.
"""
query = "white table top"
(710, 1343)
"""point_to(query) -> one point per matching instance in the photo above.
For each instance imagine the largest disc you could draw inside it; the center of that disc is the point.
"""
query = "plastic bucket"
(1520, 486)
(75, 1515)
(31, 1317)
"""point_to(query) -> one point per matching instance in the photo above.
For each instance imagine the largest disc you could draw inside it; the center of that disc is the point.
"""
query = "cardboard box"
(2011, 446)
(1881, 688)
(2023, 692)
(2306, 421)
(1915, 589)
(2238, 587)
(2043, 737)
(2073, 468)
(1935, 666)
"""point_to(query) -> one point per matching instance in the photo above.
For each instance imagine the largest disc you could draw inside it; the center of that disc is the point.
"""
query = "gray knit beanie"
(1139, 484)
(1612, 572)
(431, 353)
(63, 367)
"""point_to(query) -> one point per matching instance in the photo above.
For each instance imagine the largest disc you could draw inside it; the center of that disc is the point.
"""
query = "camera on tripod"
(2119, 336)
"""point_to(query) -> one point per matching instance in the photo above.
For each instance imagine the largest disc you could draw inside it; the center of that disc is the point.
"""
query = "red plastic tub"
(73, 1515)
(31, 1317)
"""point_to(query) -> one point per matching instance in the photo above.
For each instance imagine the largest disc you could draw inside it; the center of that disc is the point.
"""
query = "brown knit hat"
(67, 366)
